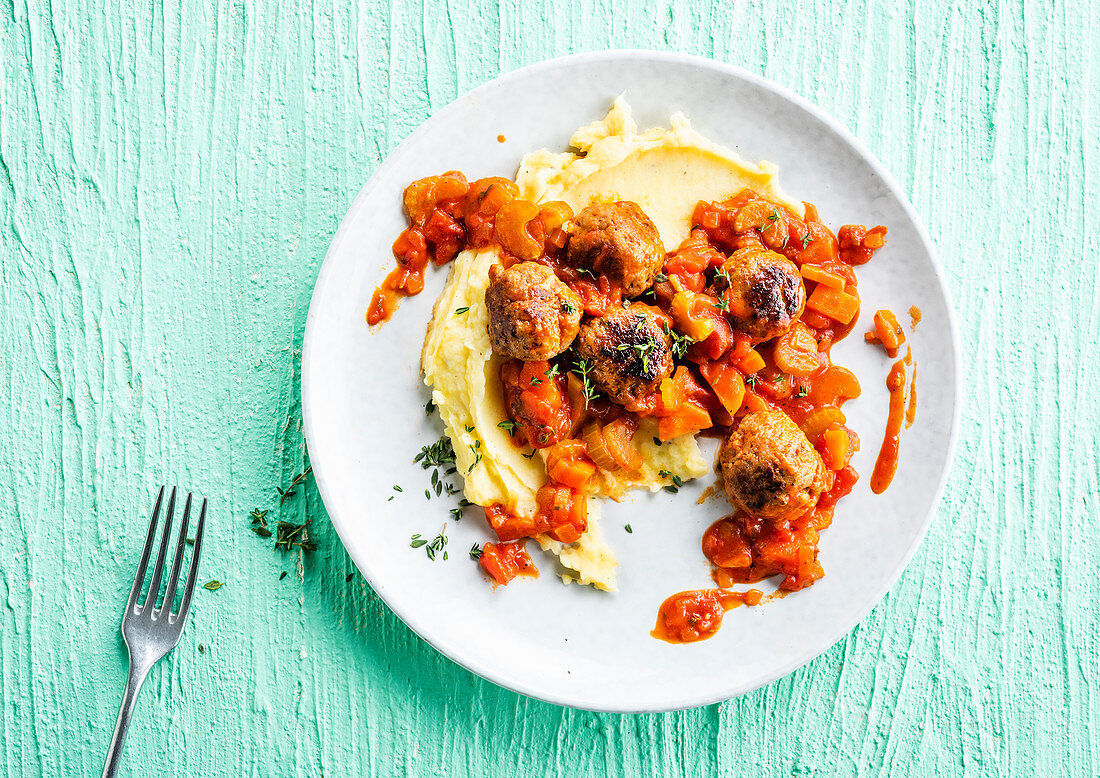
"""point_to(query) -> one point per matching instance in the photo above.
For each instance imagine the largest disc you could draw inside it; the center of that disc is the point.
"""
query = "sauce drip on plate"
(887, 463)
(688, 617)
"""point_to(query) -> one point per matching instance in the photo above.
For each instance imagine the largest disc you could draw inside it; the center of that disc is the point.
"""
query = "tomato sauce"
(887, 462)
(720, 374)
(911, 410)
(448, 214)
(689, 617)
(793, 373)
(504, 561)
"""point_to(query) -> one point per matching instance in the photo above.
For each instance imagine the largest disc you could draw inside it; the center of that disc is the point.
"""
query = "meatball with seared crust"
(628, 353)
(764, 291)
(533, 315)
(619, 241)
(769, 467)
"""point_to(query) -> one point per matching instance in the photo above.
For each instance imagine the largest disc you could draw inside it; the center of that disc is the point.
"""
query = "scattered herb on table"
(259, 523)
(213, 585)
(298, 479)
(475, 551)
(289, 536)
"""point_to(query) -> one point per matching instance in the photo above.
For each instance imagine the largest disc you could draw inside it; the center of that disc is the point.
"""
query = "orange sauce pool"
(688, 617)
(887, 462)
(914, 317)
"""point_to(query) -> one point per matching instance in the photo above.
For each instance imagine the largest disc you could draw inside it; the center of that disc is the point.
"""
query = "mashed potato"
(665, 171)
(459, 365)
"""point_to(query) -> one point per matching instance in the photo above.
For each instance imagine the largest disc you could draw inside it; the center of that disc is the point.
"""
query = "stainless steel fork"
(152, 632)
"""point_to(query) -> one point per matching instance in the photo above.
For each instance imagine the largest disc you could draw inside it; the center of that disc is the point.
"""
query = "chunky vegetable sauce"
(725, 367)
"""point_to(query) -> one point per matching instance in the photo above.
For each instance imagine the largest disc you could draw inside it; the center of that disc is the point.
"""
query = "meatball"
(769, 467)
(764, 291)
(533, 315)
(628, 351)
(619, 241)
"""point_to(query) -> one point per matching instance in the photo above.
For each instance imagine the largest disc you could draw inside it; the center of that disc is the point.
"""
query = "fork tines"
(148, 608)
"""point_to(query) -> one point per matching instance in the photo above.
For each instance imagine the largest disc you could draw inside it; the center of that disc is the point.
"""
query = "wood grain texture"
(170, 177)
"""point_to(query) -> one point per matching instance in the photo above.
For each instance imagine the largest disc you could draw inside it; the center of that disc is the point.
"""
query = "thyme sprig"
(290, 536)
(680, 342)
(582, 368)
(677, 481)
(289, 491)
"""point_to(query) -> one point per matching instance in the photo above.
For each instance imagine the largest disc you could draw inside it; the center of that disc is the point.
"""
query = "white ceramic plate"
(364, 408)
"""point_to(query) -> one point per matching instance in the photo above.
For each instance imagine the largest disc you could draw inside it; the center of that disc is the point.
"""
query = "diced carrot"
(821, 420)
(567, 463)
(754, 402)
(689, 311)
(504, 561)
(888, 331)
(671, 396)
(727, 383)
(563, 512)
(507, 526)
(834, 386)
(689, 417)
(833, 303)
(823, 276)
(571, 472)
(836, 445)
(751, 362)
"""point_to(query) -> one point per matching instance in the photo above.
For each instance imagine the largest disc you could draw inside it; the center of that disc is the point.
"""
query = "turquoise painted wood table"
(170, 177)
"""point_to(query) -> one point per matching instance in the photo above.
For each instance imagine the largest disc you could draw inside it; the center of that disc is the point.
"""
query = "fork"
(152, 632)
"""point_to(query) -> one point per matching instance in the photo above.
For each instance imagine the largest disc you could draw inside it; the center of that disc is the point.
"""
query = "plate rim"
(324, 275)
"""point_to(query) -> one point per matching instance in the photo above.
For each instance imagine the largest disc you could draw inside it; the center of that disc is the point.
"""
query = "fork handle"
(133, 686)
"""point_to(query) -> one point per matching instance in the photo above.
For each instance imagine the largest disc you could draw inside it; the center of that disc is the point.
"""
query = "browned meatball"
(533, 315)
(765, 293)
(628, 353)
(619, 241)
(769, 467)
